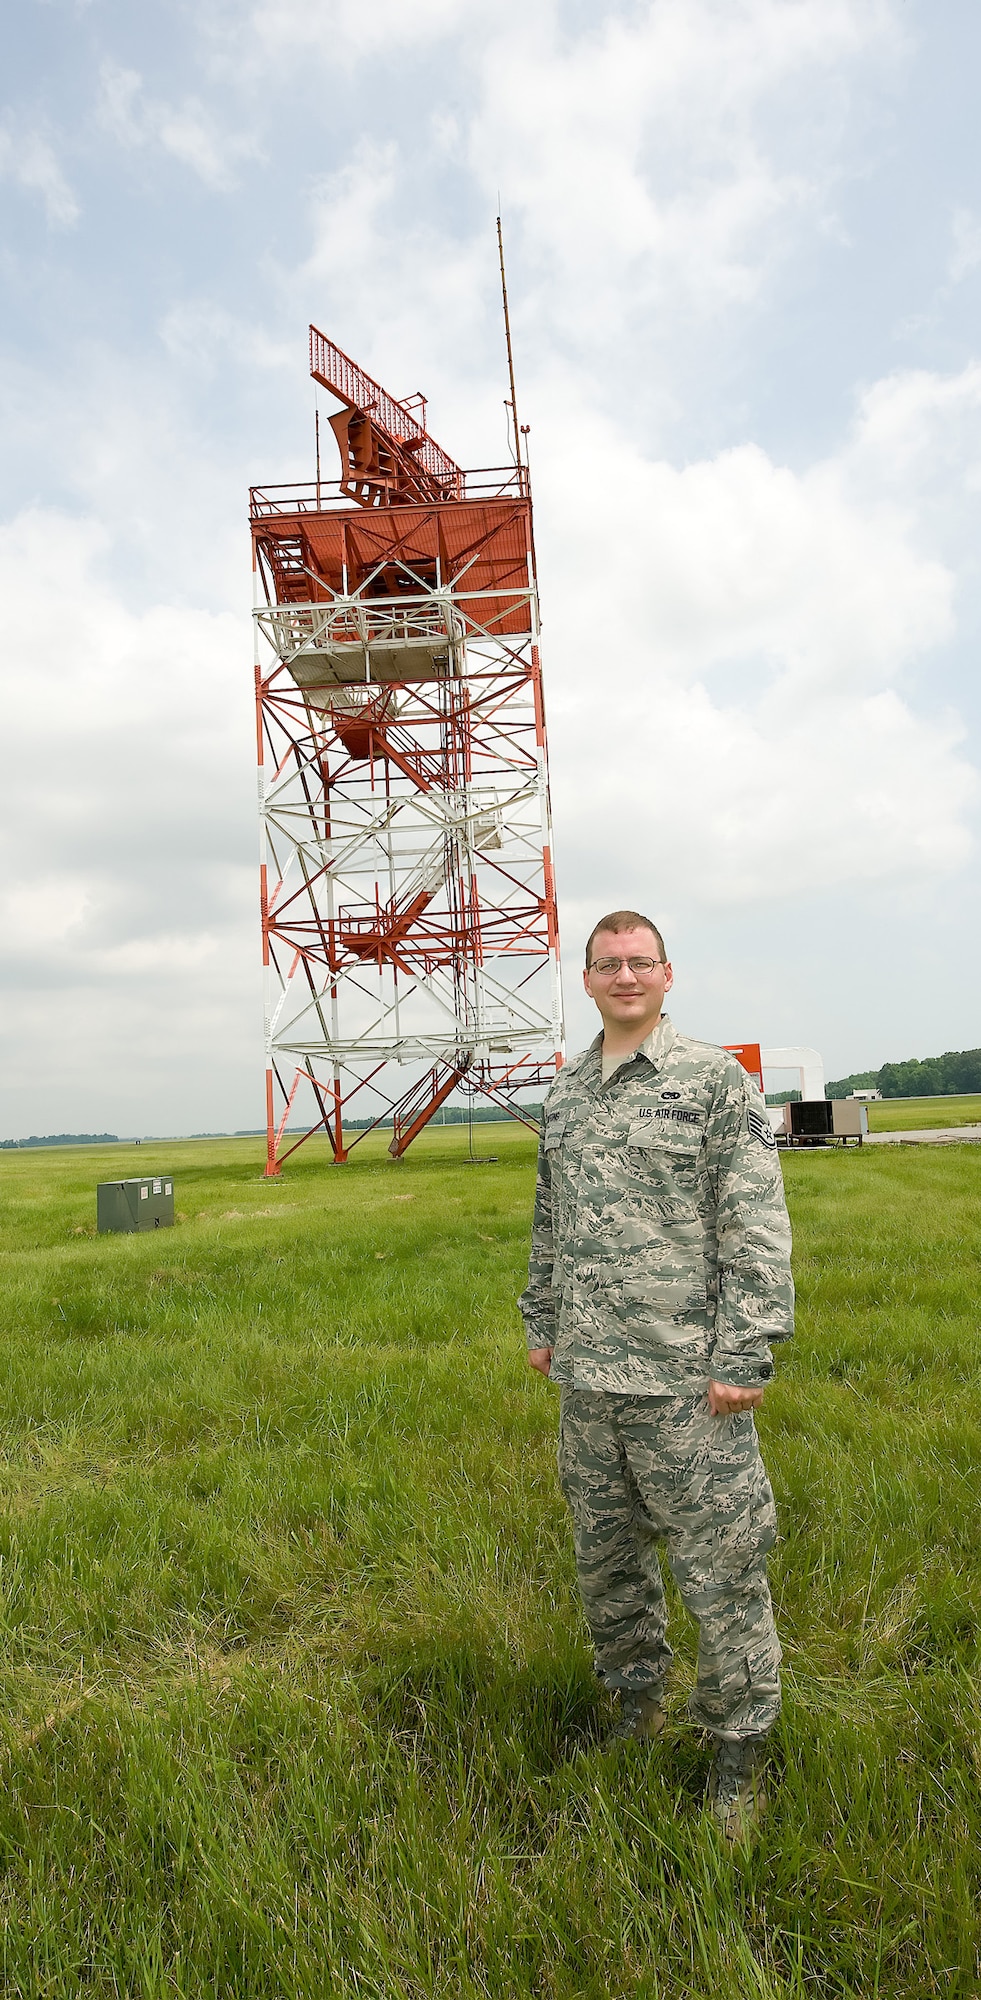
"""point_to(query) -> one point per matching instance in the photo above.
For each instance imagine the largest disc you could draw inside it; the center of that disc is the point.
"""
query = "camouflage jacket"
(660, 1252)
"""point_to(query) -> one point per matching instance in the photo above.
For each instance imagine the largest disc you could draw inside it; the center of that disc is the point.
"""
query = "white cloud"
(728, 649)
(657, 147)
(911, 422)
(276, 34)
(657, 167)
(735, 558)
(129, 910)
(189, 131)
(129, 437)
(28, 158)
(659, 162)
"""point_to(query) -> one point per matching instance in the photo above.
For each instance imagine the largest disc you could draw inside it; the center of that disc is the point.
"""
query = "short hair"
(624, 920)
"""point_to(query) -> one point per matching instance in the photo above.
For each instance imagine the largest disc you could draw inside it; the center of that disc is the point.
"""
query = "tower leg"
(337, 1137)
(273, 1171)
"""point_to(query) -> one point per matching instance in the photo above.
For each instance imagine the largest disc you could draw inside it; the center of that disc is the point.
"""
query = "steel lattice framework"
(408, 901)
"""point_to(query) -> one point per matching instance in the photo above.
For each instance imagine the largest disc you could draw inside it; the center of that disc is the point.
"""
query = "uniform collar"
(654, 1048)
(661, 1039)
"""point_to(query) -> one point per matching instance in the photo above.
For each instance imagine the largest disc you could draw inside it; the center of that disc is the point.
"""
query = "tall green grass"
(295, 1693)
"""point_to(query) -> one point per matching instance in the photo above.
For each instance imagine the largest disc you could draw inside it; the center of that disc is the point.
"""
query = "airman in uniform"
(659, 1281)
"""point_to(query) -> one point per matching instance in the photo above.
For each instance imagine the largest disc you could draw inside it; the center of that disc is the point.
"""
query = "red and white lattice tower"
(408, 904)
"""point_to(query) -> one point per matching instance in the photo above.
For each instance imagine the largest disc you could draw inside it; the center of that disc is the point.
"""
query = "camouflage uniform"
(660, 1260)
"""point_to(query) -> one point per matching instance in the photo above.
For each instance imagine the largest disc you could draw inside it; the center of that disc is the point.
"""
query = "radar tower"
(409, 930)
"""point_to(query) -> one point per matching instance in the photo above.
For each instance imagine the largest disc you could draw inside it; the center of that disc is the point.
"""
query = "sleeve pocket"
(553, 1134)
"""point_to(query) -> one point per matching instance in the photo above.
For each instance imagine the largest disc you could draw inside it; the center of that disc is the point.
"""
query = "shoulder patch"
(760, 1127)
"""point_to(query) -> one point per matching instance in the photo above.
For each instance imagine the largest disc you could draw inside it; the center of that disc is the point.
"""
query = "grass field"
(295, 1694)
(929, 1114)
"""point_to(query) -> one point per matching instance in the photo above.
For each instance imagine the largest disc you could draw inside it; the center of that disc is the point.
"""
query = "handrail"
(310, 496)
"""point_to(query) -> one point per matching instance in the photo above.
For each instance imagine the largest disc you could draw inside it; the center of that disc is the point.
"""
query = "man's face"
(628, 999)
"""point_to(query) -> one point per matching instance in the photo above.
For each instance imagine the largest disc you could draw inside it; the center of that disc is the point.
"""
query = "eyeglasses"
(639, 965)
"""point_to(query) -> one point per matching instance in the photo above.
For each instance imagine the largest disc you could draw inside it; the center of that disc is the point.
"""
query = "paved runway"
(952, 1135)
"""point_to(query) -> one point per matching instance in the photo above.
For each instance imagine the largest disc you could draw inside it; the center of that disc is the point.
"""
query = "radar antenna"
(387, 455)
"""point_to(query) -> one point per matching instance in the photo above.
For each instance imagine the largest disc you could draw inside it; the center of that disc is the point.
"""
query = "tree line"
(956, 1073)
(61, 1139)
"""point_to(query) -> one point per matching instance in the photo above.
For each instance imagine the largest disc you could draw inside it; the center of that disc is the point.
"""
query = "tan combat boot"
(735, 1794)
(641, 1715)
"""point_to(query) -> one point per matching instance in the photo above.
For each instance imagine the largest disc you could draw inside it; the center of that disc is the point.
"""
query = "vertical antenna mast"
(507, 335)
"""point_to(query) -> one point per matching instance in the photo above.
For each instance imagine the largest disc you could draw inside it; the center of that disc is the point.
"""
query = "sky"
(744, 259)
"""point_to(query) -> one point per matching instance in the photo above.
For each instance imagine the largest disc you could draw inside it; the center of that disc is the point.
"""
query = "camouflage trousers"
(637, 1470)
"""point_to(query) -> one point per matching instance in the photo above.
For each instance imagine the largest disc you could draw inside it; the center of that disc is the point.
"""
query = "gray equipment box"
(136, 1205)
(849, 1120)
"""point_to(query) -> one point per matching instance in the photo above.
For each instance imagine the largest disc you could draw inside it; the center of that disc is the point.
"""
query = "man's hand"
(724, 1401)
(540, 1358)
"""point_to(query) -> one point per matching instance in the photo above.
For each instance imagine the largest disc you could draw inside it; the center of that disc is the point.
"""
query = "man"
(659, 1278)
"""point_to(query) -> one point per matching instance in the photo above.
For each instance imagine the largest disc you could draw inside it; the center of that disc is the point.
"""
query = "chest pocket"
(666, 1135)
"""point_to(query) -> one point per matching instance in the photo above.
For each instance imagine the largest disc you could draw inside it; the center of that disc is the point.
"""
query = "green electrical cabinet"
(136, 1205)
